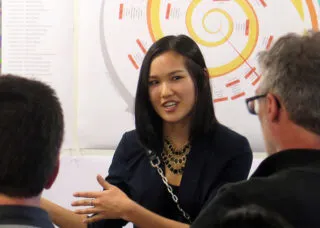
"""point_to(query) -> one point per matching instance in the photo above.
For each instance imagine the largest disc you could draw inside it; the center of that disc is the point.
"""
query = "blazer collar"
(286, 159)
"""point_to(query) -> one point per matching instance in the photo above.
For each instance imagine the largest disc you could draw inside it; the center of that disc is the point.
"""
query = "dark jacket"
(286, 183)
(24, 216)
(217, 158)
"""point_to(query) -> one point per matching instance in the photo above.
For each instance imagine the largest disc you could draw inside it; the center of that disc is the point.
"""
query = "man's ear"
(273, 107)
(54, 175)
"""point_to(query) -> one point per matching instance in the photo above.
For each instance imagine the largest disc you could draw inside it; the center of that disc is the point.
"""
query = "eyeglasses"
(253, 105)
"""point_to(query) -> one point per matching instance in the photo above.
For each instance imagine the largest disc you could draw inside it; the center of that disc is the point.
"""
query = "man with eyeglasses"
(287, 104)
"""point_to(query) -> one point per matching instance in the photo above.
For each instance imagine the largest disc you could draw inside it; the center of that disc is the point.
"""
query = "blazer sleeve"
(118, 174)
(238, 166)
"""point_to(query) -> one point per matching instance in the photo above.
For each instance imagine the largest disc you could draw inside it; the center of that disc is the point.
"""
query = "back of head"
(31, 133)
(251, 216)
(291, 70)
(148, 123)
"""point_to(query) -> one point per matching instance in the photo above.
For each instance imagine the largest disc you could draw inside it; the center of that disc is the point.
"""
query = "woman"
(175, 128)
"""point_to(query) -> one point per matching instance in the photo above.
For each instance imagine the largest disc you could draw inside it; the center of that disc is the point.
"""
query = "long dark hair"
(148, 122)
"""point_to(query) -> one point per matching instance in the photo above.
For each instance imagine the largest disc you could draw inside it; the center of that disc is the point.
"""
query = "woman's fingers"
(83, 202)
(87, 194)
(88, 211)
(103, 182)
(94, 218)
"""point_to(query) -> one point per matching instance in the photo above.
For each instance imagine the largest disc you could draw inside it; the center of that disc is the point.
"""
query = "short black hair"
(31, 133)
(252, 216)
(148, 122)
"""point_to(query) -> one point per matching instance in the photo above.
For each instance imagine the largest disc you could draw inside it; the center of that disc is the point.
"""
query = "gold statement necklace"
(175, 159)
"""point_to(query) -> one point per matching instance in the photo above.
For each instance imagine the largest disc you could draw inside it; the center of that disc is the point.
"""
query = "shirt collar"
(286, 159)
(24, 215)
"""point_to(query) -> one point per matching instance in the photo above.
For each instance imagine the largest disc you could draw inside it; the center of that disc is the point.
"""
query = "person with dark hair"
(178, 156)
(251, 216)
(31, 134)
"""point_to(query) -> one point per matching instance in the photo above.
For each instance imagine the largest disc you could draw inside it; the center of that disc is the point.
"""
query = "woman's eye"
(176, 77)
(153, 82)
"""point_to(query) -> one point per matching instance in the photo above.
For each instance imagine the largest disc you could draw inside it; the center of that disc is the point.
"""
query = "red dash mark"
(256, 81)
(220, 99)
(247, 27)
(168, 11)
(232, 83)
(263, 3)
(120, 11)
(269, 42)
(141, 46)
(238, 95)
(134, 63)
(249, 73)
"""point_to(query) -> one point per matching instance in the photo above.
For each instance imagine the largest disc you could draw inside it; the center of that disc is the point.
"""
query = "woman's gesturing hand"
(111, 203)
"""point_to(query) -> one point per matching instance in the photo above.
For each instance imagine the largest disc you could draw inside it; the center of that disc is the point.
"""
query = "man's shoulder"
(270, 190)
(278, 181)
(17, 226)
(23, 216)
(258, 191)
(281, 192)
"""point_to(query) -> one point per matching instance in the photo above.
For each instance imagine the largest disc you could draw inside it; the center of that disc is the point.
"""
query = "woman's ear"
(206, 72)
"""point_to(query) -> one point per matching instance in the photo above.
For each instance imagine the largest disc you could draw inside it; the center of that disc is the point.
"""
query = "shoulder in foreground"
(267, 184)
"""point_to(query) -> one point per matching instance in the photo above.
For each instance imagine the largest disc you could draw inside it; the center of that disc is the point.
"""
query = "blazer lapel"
(192, 175)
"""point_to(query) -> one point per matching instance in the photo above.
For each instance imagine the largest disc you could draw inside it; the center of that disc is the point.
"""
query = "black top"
(287, 183)
(170, 207)
(24, 216)
(217, 158)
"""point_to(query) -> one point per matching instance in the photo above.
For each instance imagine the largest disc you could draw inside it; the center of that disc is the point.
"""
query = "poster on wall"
(37, 42)
(115, 35)
(91, 53)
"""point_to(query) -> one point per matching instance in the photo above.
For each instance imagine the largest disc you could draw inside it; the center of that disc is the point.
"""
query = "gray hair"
(291, 71)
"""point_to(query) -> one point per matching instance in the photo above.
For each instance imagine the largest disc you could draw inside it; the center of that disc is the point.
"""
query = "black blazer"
(219, 157)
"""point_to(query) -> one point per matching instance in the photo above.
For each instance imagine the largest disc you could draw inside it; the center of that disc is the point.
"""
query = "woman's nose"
(166, 90)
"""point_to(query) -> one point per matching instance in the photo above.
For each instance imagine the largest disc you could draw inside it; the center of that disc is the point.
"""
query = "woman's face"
(171, 88)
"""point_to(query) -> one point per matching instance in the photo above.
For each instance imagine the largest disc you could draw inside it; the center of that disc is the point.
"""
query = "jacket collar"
(24, 215)
(293, 158)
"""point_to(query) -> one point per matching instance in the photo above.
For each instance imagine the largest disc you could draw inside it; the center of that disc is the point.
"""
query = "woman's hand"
(111, 203)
